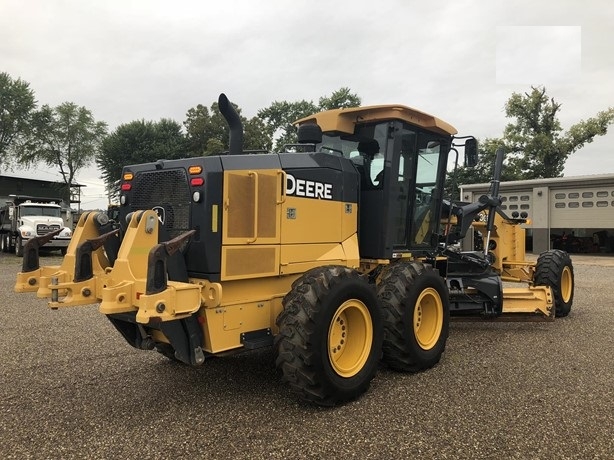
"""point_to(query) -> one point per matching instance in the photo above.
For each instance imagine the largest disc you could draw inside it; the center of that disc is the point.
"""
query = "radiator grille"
(168, 193)
(43, 229)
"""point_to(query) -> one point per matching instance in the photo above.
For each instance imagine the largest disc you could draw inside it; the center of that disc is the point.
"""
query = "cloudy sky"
(460, 60)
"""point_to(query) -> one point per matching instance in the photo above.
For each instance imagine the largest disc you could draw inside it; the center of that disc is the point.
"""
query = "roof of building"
(553, 182)
(20, 176)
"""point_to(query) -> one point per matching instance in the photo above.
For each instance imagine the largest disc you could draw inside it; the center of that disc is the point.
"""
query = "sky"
(460, 60)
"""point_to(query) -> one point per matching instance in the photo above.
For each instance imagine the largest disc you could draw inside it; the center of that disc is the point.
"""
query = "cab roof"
(345, 120)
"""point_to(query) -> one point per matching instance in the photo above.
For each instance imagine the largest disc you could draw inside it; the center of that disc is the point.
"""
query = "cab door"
(415, 188)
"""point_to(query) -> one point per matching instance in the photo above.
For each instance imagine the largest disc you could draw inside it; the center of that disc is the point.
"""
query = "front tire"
(554, 269)
(416, 309)
(19, 247)
(330, 336)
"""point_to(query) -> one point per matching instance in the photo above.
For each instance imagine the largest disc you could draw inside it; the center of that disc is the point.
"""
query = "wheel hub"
(349, 338)
(428, 318)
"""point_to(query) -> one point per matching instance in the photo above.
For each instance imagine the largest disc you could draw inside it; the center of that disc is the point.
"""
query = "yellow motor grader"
(339, 252)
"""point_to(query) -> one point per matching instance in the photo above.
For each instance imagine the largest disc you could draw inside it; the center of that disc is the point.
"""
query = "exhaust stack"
(235, 143)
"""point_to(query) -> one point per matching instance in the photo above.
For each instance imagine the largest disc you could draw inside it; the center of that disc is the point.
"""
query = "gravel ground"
(70, 387)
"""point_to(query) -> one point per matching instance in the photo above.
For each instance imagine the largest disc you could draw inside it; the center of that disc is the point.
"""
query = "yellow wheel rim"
(350, 336)
(566, 284)
(428, 318)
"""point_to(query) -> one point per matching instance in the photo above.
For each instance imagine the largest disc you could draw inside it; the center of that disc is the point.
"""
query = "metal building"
(572, 213)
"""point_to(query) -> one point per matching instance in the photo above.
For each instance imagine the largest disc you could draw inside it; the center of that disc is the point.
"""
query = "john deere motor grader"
(338, 253)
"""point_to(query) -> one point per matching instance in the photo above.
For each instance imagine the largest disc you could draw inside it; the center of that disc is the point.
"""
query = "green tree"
(207, 131)
(16, 106)
(200, 128)
(343, 98)
(67, 137)
(535, 144)
(538, 147)
(280, 115)
(139, 142)
(256, 136)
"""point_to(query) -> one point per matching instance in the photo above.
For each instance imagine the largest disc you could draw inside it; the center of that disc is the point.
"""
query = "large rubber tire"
(416, 310)
(19, 247)
(330, 336)
(554, 269)
(4, 244)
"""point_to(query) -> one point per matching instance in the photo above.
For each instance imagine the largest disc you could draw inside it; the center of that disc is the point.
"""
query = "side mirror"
(471, 152)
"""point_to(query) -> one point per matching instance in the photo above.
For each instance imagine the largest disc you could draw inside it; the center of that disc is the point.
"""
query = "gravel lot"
(70, 387)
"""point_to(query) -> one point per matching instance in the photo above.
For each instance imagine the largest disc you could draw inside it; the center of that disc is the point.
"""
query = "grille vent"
(168, 193)
(43, 229)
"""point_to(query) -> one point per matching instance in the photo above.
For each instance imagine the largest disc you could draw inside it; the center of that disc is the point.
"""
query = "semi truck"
(25, 217)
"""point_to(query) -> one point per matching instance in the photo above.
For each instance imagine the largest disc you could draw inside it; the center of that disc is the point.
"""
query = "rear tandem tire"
(554, 269)
(416, 309)
(4, 245)
(330, 335)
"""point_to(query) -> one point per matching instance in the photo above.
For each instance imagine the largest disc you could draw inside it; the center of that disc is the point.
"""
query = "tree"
(207, 131)
(16, 106)
(200, 128)
(535, 144)
(139, 142)
(256, 136)
(66, 136)
(538, 148)
(340, 99)
(280, 116)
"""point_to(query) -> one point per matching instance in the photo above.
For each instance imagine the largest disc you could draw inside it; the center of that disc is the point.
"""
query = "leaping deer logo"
(160, 212)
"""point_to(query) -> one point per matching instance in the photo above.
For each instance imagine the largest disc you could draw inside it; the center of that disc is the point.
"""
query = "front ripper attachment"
(56, 281)
(138, 280)
(138, 297)
(31, 260)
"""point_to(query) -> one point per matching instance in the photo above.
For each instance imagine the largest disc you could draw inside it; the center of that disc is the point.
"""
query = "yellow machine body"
(321, 250)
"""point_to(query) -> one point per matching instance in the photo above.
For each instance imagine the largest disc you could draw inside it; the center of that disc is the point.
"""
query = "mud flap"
(186, 337)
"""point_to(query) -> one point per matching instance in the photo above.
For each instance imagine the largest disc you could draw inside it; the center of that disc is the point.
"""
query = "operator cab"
(402, 168)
